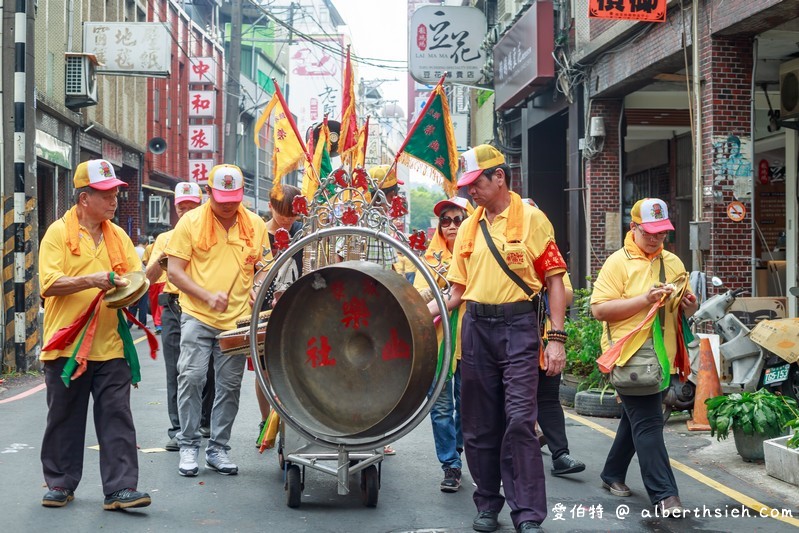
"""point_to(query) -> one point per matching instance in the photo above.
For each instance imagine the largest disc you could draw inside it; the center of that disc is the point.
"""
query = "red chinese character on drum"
(356, 313)
(319, 356)
(396, 348)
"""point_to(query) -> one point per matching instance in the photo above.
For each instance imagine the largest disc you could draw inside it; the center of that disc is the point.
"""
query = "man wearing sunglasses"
(504, 254)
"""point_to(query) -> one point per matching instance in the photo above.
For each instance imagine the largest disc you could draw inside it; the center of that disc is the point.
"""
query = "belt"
(497, 310)
(167, 297)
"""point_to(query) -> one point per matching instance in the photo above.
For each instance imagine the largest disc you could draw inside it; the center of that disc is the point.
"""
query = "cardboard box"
(779, 336)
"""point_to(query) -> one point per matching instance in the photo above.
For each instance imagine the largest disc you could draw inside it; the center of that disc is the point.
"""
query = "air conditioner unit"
(505, 10)
(158, 210)
(81, 80)
(789, 89)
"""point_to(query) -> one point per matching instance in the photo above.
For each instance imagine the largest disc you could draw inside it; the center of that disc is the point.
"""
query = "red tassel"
(67, 335)
(151, 339)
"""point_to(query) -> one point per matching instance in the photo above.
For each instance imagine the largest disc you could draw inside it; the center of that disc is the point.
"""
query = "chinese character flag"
(349, 124)
(289, 149)
(430, 146)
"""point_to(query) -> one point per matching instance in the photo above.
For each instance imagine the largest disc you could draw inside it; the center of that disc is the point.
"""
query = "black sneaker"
(57, 497)
(566, 464)
(205, 432)
(126, 499)
(486, 521)
(452, 480)
(528, 525)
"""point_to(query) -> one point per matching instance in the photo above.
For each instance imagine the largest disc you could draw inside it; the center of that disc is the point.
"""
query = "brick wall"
(727, 71)
(602, 180)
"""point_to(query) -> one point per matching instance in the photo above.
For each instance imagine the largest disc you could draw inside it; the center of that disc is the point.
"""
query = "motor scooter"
(745, 365)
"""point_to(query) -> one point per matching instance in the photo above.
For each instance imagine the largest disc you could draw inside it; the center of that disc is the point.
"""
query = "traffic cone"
(707, 386)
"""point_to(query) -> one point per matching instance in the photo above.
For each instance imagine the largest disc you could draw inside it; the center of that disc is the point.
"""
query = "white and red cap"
(477, 160)
(652, 215)
(455, 202)
(98, 174)
(188, 191)
(226, 183)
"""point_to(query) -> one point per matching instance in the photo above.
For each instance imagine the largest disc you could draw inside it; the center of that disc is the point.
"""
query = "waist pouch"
(641, 375)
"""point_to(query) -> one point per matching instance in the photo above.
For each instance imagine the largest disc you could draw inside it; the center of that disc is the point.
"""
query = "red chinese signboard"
(198, 170)
(642, 10)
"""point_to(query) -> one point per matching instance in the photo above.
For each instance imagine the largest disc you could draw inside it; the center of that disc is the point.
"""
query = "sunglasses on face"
(446, 221)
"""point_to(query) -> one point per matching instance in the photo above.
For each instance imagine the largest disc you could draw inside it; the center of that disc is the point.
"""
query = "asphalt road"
(409, 498)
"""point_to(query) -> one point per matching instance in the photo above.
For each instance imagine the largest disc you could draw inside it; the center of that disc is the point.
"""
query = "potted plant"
(753, 418)
(582, 348)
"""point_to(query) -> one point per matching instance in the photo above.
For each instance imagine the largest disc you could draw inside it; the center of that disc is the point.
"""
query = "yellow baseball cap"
(378, 172)
(652, 214)
(477, 160)
(226, 183)
(98, 174)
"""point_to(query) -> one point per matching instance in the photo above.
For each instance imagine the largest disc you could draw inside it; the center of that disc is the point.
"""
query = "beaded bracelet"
(557, 335)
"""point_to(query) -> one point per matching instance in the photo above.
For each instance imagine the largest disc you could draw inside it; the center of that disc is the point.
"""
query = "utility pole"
(233, 84)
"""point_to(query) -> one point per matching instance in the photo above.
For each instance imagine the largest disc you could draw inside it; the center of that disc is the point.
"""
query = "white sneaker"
(217, 459)
(188, 462)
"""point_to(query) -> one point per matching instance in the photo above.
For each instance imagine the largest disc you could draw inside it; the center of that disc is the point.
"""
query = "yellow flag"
(320, 167)
(289, 149)
(360, 146)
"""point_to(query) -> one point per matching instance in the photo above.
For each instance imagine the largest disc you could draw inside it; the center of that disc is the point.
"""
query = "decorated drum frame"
(343, 207)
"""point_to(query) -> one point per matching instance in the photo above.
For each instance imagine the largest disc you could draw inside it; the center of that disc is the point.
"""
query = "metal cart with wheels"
(346, 384)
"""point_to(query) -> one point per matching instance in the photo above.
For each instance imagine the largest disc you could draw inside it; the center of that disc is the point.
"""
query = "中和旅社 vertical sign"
(641, 10)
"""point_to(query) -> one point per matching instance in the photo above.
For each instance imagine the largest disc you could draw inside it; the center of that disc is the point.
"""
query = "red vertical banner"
(641, 10)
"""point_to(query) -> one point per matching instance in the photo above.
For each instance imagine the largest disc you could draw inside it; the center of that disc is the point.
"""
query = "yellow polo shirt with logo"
(484, 279)
(56, 261)
(159, 248)
(628, 273)
(229, 263)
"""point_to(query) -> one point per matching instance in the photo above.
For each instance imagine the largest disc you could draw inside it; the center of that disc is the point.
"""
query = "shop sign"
(202, 138)
(199, 169)
(202, 71)
(523, 57)
(125, 48)
(641, 10)
(316, 76)
(460, 123)
(51, 149)
(446, 39)
(202, 104)
(112, 153)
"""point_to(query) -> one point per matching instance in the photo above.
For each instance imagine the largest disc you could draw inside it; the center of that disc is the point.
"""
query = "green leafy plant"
(583, 344)
(793, 442)
(761, 412)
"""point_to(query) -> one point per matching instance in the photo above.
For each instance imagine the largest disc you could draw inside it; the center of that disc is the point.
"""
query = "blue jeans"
(446, 418)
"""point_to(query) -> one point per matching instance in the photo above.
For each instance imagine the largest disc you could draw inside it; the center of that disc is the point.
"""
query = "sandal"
(388, 450)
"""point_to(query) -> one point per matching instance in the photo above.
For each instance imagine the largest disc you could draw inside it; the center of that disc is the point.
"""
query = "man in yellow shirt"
(213, 256)
(499, 350)
(82, 252)
(187, 196)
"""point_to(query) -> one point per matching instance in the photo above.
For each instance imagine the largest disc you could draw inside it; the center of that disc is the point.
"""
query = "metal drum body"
(351, 352)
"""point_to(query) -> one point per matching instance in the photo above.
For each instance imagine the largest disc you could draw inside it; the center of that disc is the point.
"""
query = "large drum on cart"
(349, 363)
(351, 351)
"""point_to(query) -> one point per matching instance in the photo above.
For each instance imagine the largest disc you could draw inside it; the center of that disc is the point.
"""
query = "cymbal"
(680, 283)
(120, 297)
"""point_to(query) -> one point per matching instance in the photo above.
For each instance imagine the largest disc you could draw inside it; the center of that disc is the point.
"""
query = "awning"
(158, 189)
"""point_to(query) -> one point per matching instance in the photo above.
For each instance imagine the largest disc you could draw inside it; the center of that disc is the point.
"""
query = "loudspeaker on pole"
(157, 145)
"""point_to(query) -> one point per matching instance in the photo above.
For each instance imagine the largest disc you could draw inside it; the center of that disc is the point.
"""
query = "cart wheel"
(370, 486)
(281, 459)
(293, 486)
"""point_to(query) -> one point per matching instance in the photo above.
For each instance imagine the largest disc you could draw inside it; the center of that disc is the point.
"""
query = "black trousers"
(641, 431)
(108, 383)
(550, 414)
(170, 338)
